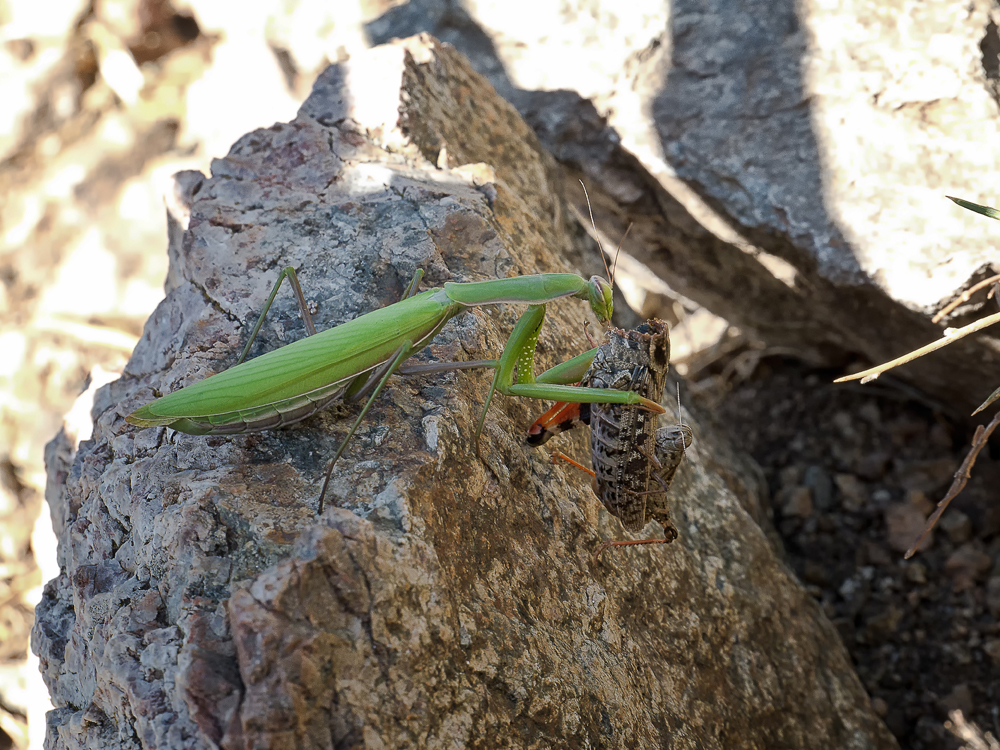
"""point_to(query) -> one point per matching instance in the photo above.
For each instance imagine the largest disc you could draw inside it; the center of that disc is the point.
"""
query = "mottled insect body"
(623, 440)
(671, 444)
(634, 463)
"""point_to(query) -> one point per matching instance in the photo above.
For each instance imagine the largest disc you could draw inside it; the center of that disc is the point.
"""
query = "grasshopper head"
(600, 295)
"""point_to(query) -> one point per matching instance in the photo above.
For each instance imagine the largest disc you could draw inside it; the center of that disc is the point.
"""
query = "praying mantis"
(355, 360)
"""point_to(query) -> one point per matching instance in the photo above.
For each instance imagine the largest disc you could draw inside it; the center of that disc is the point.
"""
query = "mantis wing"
(290, 383)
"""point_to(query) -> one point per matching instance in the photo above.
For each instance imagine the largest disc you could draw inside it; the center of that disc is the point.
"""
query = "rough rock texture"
(442, 600)
(785, 164)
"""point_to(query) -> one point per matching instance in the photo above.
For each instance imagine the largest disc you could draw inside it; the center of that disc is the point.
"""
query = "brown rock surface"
(443, 600)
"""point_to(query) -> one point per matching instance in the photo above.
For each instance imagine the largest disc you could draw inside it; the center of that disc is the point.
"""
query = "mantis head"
(599, 295)
(599, 289)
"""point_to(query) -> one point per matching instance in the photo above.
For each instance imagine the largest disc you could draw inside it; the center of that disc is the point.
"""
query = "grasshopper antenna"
(614, 267)
(680, 421)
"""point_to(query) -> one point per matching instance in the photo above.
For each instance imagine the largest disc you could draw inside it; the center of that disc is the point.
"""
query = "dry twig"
(869, 375)
(965, 297)
(961, 477)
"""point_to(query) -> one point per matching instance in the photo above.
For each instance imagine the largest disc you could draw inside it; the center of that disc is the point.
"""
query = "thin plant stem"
(869, 375)
(958, 484)
(964, 297)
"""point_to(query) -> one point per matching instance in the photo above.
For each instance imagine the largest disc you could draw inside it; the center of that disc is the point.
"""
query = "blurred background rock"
(101, 102)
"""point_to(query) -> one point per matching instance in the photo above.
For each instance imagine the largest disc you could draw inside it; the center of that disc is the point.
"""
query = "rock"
(442, 598)
(791, 475)
(797, 502)
(884, 624)
(993, 596)
(717, 152)
(873, 466)
(904, 523)
(956, 525)
(852, 491)
(966, 564)
(818, 480)
(916, 572)
(919, 500)
(875, 554)
(959, 699)
(992, 649)
(929, 476)
(880, 707)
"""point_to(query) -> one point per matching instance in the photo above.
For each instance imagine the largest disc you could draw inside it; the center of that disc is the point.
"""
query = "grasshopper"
(627, 451)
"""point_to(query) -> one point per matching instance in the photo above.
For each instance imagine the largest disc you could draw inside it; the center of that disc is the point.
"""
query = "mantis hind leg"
(286, 273)
(289, 273)
(405, 350)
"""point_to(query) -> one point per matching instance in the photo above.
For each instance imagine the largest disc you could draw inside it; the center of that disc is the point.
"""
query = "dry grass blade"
(973, 737)
(992, 397)
(961, 477)
(965, 297)
(872, 373)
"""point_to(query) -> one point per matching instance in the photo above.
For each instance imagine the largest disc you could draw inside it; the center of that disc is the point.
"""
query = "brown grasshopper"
(627, 451)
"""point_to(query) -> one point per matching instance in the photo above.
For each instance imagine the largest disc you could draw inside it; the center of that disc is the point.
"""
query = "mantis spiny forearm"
(628, 453)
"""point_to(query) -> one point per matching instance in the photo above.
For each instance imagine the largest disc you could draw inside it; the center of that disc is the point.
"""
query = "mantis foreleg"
(517, 364)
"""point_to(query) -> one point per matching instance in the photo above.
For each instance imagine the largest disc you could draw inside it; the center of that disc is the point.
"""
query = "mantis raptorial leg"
(627, 451)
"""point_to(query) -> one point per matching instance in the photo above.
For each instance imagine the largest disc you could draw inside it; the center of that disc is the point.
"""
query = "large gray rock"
(784, 164)
(442, 600)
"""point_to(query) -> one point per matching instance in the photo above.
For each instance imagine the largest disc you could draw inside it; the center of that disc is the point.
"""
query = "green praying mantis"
(355, 360)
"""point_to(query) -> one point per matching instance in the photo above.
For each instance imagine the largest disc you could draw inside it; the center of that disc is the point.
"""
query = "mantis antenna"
(609, 271)
(604, 257)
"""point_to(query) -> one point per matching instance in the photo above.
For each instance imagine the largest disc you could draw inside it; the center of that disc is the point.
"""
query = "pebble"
(871, 413)
(816, 573)
(791, 475)
(884, 624)
(853, 496)
(927, 475)
(844, 423)
(797, 502)
(918, 499)
(881, 496)
(916, 573)
(876, 554)
(966, 564)
(993, 596)
(880, 707)
(873, 466)
(940, 437)
(956, 525)
(904, 522)
(992, 649)
(959, 699)
(818, 480)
